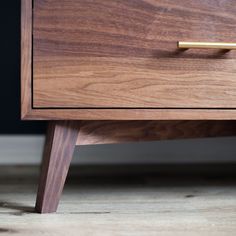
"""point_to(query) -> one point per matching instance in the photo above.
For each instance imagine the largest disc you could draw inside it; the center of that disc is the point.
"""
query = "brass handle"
(206, 45)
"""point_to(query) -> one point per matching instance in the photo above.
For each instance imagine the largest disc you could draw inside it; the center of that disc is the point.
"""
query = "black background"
(10, 122)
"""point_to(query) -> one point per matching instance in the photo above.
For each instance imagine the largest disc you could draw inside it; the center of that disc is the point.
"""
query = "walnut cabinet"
(106, 71)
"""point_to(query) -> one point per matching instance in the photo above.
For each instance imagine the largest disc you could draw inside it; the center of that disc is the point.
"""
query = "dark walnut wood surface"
(122, 54)
(104, 132)
(115, 60)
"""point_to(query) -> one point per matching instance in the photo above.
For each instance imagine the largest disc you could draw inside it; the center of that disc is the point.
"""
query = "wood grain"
(104, 132)
(59, 148)
(26, 51)
(122, 53)
(29, 113)
(130, 114)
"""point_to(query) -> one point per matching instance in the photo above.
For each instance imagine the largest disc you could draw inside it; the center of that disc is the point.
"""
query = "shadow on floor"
(21, 209)
(181, 174)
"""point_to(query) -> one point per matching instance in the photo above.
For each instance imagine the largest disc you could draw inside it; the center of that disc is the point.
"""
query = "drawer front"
(123, 54)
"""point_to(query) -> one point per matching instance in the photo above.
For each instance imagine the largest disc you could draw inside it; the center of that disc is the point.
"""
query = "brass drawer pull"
(206, 45)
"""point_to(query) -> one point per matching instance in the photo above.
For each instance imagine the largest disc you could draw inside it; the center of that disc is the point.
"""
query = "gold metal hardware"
(206, 45)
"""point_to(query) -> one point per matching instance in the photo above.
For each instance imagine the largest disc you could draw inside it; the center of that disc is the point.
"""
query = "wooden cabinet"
(123, 54)
(119, 60)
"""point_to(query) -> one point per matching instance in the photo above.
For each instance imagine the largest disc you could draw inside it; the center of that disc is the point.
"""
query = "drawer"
(123, 54)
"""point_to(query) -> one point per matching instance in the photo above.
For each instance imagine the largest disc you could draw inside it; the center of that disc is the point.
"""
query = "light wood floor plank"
(104, 207)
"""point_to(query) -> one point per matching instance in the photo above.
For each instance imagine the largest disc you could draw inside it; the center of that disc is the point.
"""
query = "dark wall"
(10, 122)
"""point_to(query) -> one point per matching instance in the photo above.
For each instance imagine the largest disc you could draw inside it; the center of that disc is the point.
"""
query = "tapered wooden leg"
(59, 148)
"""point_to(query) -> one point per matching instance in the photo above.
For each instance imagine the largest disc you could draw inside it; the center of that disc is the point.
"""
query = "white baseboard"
(27, 150)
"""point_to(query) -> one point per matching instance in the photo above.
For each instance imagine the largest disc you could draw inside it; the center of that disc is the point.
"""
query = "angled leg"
(59, 148)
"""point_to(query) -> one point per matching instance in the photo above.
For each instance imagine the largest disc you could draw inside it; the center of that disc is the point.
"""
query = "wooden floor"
(106, 205)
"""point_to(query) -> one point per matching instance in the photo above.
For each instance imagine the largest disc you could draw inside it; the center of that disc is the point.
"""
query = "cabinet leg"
(59, 148)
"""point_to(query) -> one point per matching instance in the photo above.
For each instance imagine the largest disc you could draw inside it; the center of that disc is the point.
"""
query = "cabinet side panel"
(26, 56)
